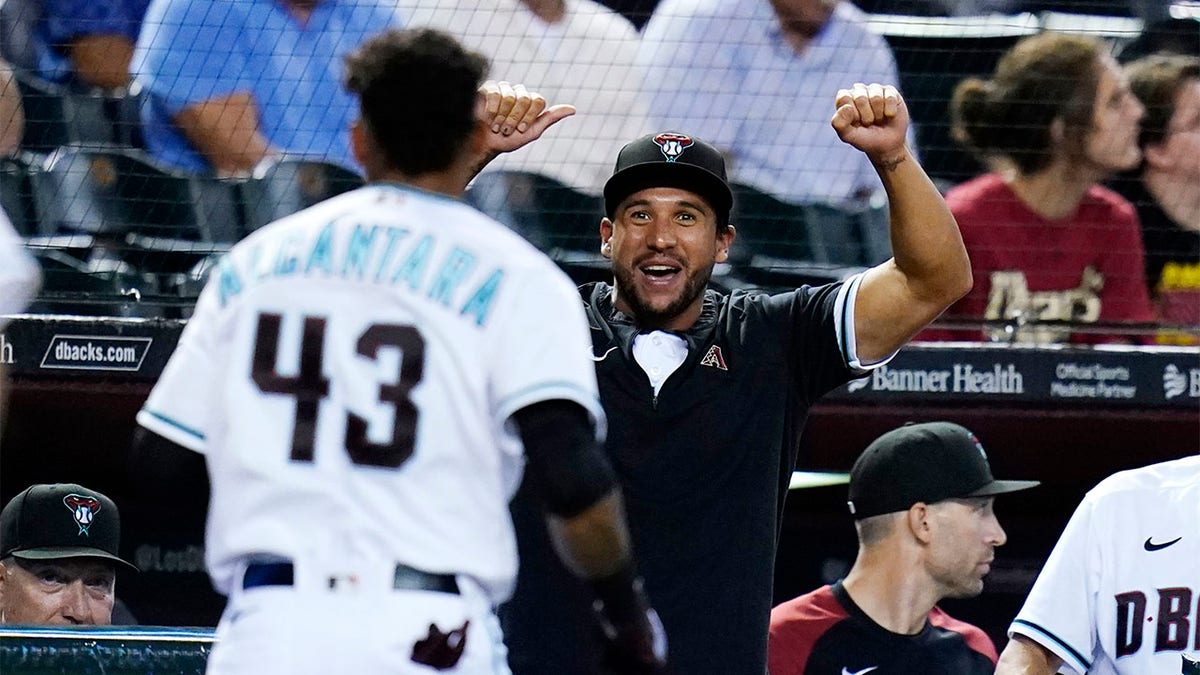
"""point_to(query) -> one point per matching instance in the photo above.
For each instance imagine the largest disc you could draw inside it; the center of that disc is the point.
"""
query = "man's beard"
(646, 316)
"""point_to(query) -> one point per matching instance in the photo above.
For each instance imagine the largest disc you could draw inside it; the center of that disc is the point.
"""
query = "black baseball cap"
(62, 520)
(923, 463)
(670, 159)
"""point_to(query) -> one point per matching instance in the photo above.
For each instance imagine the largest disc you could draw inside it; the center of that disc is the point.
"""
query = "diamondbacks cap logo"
(84, 508)
(673, 145)
(714, 358)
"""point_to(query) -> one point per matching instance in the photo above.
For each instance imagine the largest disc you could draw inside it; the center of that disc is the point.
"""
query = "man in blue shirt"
(88, 42)
(234, 82)
(753, 78)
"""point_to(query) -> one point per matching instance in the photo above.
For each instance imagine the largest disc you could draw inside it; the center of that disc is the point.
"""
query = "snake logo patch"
(84, 508)
(673, 145)
(714, 358)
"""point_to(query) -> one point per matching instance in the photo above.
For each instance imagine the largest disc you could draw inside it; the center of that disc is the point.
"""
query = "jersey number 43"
(310, 385)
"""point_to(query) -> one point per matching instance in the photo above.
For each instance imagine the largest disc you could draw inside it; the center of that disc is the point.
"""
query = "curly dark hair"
(1040, 79)
(417, 92)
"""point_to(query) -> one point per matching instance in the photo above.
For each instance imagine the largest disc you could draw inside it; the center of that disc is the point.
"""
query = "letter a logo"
(714, 358)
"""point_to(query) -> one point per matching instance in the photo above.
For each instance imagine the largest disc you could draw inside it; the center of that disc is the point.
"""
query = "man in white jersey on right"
(1120, 591)
(364, 380)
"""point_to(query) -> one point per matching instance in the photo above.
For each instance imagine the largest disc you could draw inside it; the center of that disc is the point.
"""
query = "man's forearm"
(226, 132)
(1023, 656)
(926, 243)
(102, 60)
(595, 542)
(12, 117)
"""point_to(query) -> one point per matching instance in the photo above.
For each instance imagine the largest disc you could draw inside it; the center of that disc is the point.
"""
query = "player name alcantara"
(444, 275)
(963, 378)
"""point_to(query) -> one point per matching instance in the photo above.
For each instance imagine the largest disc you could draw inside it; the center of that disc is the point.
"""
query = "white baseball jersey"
(1120, 593)
(349, 373)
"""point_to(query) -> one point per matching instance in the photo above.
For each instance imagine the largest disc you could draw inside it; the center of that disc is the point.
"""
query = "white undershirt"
(659, 354)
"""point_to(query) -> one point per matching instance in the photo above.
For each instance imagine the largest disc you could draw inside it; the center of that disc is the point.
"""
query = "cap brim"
(58, 552)
(802, 480)
(999, 487)
(680, 175)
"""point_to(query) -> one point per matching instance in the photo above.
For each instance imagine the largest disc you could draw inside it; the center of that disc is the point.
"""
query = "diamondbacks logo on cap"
(673, 145)
(84, 508)
(714, 358)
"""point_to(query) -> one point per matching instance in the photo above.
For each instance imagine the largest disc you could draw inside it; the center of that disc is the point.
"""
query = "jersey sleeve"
(542, 349)
(797, 627)
(181, 404)
(66, 20)
(1059, 613)
(843, 312)
(823, 351)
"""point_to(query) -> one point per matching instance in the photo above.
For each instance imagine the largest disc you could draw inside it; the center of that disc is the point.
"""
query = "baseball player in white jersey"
(365, 379)
(1120, 591)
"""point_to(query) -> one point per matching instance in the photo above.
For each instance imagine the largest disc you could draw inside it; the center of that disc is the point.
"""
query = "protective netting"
(157, 134)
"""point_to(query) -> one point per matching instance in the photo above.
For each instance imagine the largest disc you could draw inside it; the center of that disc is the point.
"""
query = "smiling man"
(921, 497)
(707, 393)
(58, 557)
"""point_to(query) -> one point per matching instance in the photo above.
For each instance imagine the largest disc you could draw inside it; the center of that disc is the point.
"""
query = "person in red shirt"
(1049, 246)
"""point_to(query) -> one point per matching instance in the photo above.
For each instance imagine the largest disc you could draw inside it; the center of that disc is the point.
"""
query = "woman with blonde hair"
(1047, 242)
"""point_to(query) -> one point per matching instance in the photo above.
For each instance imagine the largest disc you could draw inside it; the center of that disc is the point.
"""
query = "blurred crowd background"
(142, 138)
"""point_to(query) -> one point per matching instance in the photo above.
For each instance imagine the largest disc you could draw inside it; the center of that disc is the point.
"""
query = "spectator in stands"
(1165, 189)
(58, 556)
(921, 497)
(571, 50)
(1047, 242)
(12, 116)
(234, 83)
(751, 77)
(88, 43)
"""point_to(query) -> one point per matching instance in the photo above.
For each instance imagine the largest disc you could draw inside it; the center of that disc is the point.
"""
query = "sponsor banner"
(1135, 378)
(81, 347)
(88, 352)
(1157, 377)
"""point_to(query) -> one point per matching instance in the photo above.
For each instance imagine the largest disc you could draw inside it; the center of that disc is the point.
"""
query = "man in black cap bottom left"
(58, 556)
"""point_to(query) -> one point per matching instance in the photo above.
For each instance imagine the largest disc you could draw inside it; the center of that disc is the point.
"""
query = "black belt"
(406, 578)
